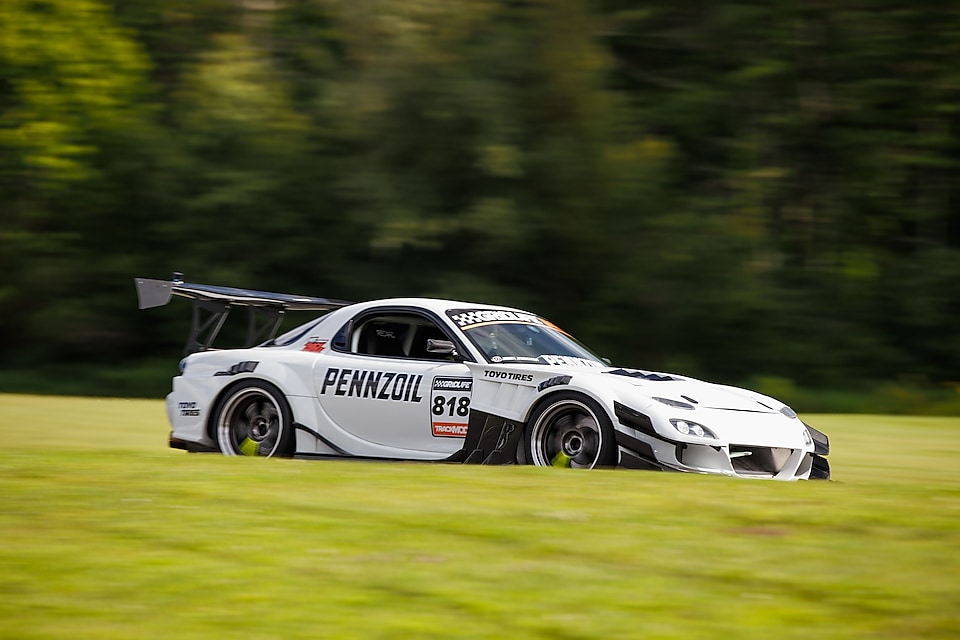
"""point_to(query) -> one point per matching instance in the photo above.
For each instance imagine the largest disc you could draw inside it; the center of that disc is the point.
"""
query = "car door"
(381, 384)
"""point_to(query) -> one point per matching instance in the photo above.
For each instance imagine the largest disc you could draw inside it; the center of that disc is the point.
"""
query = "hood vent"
(643, 375)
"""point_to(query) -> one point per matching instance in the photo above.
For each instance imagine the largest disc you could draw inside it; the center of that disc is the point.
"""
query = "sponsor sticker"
(450, 406)
(375, 385)
(449, 430)
(553, 382)
(468, 318)
(188, 408)
(509, 376)
(571, 361)
(315, 345)
(471, 318)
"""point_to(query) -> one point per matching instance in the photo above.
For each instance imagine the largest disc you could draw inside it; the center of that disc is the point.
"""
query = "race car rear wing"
(212, 305)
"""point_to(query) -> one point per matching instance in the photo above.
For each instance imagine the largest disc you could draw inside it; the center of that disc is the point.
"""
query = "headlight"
(806, 437)
(688, 428)
(676, 404)
(787, 411)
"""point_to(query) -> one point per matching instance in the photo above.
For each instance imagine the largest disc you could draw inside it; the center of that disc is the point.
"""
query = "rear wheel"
(254, 419)
(570, 430)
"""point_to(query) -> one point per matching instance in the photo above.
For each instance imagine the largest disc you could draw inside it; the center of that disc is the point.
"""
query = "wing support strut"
(262, 323)
(208, 319)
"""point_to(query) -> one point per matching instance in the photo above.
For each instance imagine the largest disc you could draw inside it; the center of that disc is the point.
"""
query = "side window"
(382, 337)
(396, 335)
(339, 342)
(418, 347)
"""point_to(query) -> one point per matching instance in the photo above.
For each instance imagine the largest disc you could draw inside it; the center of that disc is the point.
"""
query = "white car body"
(360, 383)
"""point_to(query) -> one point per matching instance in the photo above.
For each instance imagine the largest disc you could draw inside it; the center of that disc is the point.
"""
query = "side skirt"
(301, 427)
(192, 447)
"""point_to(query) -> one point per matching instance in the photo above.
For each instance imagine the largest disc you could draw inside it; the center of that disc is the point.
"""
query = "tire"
(254, 419)
(569, 430)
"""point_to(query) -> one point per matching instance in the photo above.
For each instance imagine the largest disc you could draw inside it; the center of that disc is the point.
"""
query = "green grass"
(108, 534)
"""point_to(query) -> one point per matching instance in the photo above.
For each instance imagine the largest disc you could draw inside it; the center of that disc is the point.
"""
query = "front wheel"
(254, 419)
(570, 430)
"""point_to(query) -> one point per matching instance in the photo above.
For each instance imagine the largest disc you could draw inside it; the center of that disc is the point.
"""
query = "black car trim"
(638, 448)
(193, 447)
(642, 375)
(306, 429)
(820, 470)
(247, 366)
(554, 382)
(641, 422)
(821, 443)
(491, 439)
(628, 460)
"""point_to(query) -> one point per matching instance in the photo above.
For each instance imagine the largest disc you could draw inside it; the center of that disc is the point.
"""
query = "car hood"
(735, 415)
(700, 394)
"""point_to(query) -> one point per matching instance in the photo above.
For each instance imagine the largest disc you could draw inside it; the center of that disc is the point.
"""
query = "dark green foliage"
(728, 190)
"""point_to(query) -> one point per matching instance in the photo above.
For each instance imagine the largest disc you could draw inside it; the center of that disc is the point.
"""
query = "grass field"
(108, 534)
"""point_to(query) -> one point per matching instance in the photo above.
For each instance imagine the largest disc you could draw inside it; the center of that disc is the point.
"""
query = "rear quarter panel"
(207, 375)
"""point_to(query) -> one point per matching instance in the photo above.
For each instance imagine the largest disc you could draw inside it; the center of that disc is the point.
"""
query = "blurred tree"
(72, 90)
(245, 163)
(804, 136)
(175, 33)
(724, 189)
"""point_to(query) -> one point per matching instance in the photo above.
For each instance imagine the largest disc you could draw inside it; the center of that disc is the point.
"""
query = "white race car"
(448, 381)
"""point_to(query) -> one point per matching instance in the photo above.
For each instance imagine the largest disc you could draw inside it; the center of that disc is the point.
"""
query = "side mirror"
(441, 347)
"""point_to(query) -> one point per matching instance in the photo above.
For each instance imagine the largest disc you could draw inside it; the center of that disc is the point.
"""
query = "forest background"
(760, 193)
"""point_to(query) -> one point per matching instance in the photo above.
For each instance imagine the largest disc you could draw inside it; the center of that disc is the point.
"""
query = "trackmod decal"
(450, 406)
(449, 430)
(376, 385)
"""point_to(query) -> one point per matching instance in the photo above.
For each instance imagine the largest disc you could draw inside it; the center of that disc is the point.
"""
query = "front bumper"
(641, 446)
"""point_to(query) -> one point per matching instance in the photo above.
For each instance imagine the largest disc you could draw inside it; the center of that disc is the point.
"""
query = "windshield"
(516, 337)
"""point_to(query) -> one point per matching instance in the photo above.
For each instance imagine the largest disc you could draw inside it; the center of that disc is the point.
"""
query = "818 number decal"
(450, 407)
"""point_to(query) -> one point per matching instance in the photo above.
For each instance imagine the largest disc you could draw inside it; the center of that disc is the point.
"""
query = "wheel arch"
(212, 415)
(608, 455)
(605, 402)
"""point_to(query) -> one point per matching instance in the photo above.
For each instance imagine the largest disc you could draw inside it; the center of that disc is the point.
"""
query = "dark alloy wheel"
(254, 419)
(570, 430)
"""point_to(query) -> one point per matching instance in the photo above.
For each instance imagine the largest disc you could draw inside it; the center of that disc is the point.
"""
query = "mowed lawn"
(108, 534)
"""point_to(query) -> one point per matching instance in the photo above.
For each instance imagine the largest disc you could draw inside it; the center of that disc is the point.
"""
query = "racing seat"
(383, 339)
